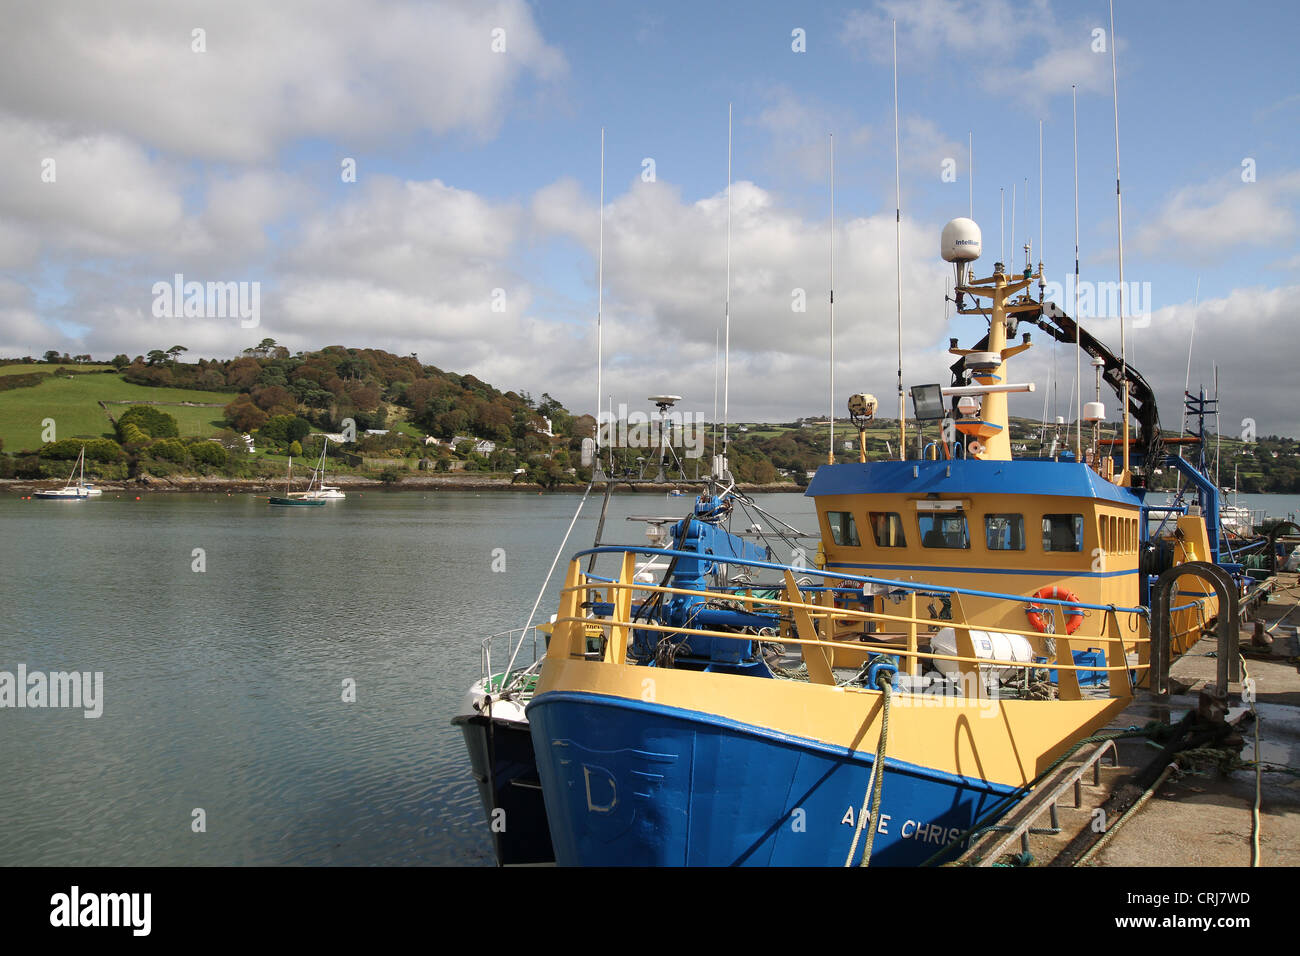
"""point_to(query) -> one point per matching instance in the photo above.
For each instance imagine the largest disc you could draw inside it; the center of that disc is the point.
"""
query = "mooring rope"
(871, 799)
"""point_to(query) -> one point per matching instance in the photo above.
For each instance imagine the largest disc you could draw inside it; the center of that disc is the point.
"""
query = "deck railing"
(519, 638)
(808, 617)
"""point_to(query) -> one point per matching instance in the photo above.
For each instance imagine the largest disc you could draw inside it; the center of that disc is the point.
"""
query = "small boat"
(500, 747)
(76, 489)
(288, 500)
(317, 490)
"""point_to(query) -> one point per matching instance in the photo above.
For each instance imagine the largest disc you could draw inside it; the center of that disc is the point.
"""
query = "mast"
(898, 260)
(1187, 383)
(726, 312)
(713, 450)
(970, 171)
(830, 452)
(1078, 349)
(1119, 222)
(600, 289)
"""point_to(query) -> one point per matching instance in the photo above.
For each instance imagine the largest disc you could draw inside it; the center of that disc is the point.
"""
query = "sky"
(424, 177)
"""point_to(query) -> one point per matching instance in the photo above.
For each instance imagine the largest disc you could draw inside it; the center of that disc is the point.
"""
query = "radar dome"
(961, 241)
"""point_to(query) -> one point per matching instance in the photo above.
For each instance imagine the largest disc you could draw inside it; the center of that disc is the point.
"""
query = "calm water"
(223, 689)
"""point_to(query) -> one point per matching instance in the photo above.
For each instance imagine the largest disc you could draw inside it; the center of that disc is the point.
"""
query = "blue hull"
(637, 784)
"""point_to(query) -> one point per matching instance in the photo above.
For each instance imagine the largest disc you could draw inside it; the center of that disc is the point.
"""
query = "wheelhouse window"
(944, 530)
(887, 529)
(843, 529)
(1004, 532)
(1062, 532)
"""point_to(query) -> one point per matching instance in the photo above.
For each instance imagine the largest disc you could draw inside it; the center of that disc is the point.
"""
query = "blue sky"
(478, 171)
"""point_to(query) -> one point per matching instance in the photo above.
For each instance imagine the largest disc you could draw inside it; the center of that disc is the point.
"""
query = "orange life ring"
(1041, 618)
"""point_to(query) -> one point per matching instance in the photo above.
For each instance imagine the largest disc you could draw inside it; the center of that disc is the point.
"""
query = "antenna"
(1002, 224)
(1056, 379)
(970, 172)
(1187, 380)
(1187, 383)
(726, 312)
(1041, 244)
(1078, 351)
(1119, 222)
(898, 259)
(713, 451)
(1218, 438)
(830, 451)
(600, 289)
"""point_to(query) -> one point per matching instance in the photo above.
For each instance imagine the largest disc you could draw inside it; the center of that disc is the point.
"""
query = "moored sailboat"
(317, 490)
(288, 500)
(76, 489)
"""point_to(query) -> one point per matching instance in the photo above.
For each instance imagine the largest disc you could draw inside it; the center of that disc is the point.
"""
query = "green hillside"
(72, 403)
(41, 368)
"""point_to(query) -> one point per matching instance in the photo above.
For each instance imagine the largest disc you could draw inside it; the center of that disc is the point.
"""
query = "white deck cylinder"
(989, 646)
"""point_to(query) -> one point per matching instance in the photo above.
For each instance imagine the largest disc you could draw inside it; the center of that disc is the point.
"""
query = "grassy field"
(72, 405)
(25, 369)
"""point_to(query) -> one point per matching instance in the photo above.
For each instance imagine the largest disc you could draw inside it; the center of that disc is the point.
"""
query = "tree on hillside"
(154, 422)
(175, 351)
(244, 416)
(262, 348)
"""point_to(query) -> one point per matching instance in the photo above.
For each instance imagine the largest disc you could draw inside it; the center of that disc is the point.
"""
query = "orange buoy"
(1042, 618)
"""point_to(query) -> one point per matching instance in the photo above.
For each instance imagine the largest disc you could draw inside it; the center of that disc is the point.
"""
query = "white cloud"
(799, 130)
(107, 197)
(665, 274)
(356, 71)
(1246, 334)
(1206, 219)
(1055, 54)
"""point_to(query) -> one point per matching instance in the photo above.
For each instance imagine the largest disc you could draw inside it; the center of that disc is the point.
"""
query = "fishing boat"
(317, 490)
(77, 488)
(970, 618)
(500, 746)
(289, 500)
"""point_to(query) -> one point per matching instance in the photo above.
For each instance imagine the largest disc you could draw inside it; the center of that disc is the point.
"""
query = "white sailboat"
(317, 490)
(76, 489)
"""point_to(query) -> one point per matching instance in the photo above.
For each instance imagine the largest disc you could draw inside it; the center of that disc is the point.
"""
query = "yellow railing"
(812, 625)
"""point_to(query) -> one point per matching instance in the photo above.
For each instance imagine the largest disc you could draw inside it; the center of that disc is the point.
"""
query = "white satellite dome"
(961, 241)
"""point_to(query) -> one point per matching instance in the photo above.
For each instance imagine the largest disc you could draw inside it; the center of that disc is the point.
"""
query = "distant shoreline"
(459, 482)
